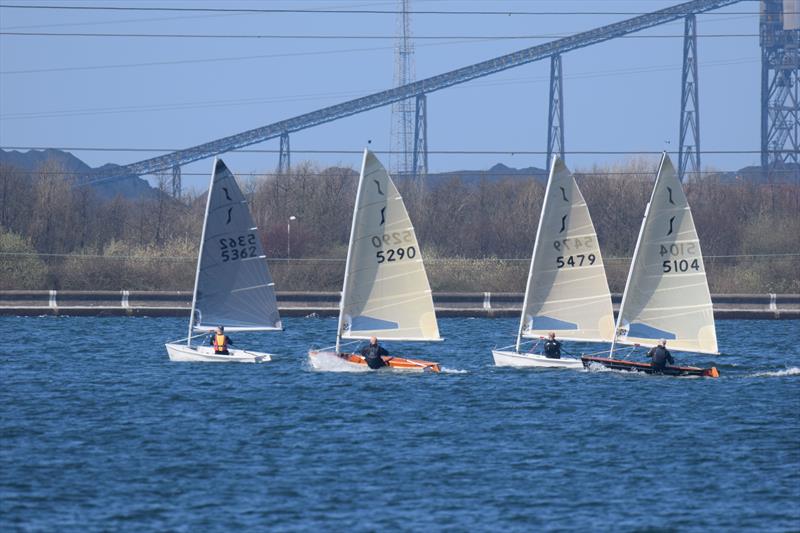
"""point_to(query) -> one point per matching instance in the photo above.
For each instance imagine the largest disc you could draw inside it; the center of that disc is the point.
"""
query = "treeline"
(475, 236)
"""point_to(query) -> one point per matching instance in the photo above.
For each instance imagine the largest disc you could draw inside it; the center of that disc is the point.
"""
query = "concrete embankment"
(176, 303)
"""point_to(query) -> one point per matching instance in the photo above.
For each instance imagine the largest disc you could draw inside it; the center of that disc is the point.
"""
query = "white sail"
(567, 290)
(666, 295)
(386, 291)
(233, 287)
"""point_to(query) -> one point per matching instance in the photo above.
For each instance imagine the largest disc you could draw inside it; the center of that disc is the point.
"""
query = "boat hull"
(205, 354)
(531, 360)
(634, 366)
(357, 362)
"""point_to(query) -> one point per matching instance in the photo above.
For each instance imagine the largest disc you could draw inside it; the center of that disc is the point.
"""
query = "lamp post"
(289, 236)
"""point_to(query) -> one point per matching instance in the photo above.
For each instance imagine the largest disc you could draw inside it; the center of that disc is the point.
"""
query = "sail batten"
(666, 295)
(567, 291)
(386, 291)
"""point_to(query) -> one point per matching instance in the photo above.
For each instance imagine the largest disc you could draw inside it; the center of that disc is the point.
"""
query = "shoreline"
(448, 304)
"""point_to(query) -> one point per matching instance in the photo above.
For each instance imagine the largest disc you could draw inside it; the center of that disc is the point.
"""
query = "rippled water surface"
(100, 431)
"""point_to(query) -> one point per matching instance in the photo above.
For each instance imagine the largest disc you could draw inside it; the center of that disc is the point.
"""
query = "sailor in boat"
(374, 354)
(660, 356)
(220, 341)
(552, 348)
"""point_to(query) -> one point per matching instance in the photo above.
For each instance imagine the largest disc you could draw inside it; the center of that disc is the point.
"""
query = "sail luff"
(567, 291)
(350, 245)
(233, 287)
(533, 254)
(386, 291)
(635, 256)
(666, 295)
(200, 254)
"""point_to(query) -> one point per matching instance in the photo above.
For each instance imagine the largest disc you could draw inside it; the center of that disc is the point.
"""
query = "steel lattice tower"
(176, 181)
(285, 156)
(555, 117)
(689, 145)
(780, 105)
(404, 111)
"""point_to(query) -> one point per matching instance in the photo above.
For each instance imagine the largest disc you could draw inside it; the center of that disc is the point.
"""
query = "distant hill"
(130, 187)
(498, 172)
(787, 174)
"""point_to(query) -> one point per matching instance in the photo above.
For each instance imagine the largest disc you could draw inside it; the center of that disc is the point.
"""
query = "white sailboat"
(666, 295)
(233, 287)
(567, 291)
(386, 293)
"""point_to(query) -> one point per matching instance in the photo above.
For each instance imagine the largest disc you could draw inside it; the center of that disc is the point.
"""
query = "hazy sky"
(152, 94)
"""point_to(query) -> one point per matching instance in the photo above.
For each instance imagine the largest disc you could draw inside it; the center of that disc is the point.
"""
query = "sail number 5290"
(396, 254)
(392, 239)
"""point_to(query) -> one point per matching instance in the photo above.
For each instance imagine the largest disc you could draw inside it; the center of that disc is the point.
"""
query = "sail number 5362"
(239, 247)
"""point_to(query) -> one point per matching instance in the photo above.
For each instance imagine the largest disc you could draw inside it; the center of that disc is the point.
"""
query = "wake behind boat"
(666, 295)
(386, 293)
(327, 360)
(567, 291)
(233, 287)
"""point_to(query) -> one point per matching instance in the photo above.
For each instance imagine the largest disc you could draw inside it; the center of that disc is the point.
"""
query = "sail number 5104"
(682, 265)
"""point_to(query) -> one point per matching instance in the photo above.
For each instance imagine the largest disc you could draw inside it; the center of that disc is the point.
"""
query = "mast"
(635, 255)
(533, 255)
(200, 253)
(350, 250)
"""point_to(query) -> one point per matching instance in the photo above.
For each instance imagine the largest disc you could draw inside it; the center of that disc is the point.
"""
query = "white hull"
(503, 358)
(205, 354)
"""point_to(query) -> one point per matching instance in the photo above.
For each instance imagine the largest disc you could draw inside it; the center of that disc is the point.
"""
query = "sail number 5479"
(575, 260)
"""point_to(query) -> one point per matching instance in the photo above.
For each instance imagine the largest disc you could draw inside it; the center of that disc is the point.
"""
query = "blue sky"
(622, 95)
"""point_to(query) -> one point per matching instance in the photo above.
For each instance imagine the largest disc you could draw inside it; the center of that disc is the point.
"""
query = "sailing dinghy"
(567, 291)
(233, 287)
(666, 295)
(385, 292)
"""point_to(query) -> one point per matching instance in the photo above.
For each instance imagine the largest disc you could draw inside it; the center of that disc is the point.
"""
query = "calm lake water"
(100, 431)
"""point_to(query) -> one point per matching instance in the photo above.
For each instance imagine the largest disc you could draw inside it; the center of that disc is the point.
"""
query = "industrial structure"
(403, 112)
(780, 79)
(780, 34)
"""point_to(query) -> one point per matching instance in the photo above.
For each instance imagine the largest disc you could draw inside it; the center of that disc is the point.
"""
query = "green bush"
(20, 267)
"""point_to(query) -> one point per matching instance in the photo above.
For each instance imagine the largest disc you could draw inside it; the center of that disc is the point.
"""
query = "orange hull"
(397, 363)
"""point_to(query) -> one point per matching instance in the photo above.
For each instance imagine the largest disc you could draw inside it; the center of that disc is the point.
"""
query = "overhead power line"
(345, 37)
(340, 11)
(322, 96)
(336, 152)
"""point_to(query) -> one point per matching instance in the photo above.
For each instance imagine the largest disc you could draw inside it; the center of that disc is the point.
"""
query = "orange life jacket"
(220, 343)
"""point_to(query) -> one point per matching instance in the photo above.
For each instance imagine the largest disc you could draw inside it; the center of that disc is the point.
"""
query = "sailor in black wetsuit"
(552, 348)
(373, 354)
(660, 356)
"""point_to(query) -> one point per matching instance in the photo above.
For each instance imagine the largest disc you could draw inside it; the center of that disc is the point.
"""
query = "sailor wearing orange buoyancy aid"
(220, 342)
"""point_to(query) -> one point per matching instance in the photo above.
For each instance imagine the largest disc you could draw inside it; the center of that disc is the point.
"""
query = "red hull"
(633, 366)
(397, 363)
